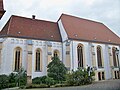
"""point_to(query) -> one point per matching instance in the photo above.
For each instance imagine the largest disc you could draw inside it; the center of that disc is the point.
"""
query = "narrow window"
(17, 59)
(118, 74)
(80, 56)
(114, 57)
(115, 73)
(103, 76)
(38, 60)
(99, 56)
(56, 53)
(99, 76)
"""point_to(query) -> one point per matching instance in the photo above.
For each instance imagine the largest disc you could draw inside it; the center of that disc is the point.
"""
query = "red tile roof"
(76, 28)
(31, 28)
(87, 30)
(1, 4)
(2, 11)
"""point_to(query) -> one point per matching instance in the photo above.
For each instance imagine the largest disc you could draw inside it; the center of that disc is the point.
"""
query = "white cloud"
(105, 11)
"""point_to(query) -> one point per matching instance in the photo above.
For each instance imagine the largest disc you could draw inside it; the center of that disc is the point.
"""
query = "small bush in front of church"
(17, 79)
(8, 81)
(12, 80)
(43, 80)
(49, 81)
(79, 77)
(39, 80)
(4, 81)
(37, 86)
(21, 77)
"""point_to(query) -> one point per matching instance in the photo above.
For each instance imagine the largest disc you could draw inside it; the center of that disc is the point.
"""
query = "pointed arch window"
(56, 53)
(115, 63)
(17, 59)
(80, 55)
(38, 60)
(99, 56)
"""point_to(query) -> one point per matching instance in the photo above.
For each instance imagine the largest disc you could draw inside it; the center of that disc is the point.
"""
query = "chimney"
(33, 16)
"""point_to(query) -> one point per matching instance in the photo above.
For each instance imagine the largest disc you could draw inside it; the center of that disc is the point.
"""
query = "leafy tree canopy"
(56, 69)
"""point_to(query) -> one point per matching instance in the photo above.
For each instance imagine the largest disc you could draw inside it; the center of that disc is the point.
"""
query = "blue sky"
(105, 11)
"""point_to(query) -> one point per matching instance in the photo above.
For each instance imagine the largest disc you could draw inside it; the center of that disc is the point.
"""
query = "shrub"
(22, 87)
(58, 85)
(37, 86)
(49, 81)
(12, 85)
(21, 77)
(43, 80)
(61, 85)
(12, 80)
(12, 77)
(56, 70)
(39, 80)
(79, 77)
(4, 81)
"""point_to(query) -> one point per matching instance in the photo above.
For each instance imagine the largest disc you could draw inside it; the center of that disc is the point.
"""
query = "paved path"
(101, 85)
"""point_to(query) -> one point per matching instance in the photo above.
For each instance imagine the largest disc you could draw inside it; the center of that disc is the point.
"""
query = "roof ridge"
(81, 18)
(33, 19)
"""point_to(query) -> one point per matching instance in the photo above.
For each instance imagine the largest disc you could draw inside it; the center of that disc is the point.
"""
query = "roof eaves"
(29, 38)
(93, 41)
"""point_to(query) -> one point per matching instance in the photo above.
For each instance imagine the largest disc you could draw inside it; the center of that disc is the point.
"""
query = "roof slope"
(31, 28)
(87, 30)
(2, 11)
(1, 4)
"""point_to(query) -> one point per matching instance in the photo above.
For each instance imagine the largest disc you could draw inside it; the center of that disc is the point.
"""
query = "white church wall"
(88, 56)
(9, 44)
(106, 58)
(64, 51)
(113, 69)
(62, 31)
(85, 53)
(72, 55)
(118, 47)
(43, 47)
(8, 54)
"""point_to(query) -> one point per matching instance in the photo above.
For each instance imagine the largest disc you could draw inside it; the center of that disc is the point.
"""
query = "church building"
(30, 43)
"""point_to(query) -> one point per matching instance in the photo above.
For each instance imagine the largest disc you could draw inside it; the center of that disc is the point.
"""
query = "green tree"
(56, 70)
